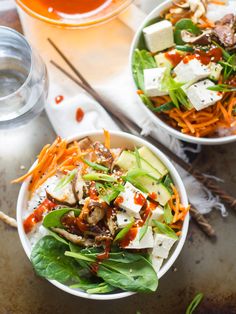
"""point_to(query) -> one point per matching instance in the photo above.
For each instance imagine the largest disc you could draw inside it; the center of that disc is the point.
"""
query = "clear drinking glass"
(23, 80)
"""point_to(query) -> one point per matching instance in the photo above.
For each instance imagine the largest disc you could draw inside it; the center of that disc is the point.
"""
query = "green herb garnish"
(95, 166)
(133, 175)
(144, 228)
(108, 192)
(120, 235)
(142, 59)
(184, 48)
(168, 216)
(163, 228)
(222, 88)
(66, 180)
(195, 302)
(99, 177)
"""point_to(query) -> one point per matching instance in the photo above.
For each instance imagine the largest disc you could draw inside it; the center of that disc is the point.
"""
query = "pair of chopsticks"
(129, 126)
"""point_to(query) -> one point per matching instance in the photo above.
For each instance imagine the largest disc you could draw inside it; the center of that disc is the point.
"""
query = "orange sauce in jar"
(60, 9)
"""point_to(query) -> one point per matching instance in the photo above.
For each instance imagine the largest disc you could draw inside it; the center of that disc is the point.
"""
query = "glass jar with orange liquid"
(75, 13)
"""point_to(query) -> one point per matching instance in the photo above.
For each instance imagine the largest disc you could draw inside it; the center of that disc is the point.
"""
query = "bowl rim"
(155, 119)
(23, 195)
(112, 14)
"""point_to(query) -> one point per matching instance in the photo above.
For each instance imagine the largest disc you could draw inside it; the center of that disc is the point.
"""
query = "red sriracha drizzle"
(139, 199)
(59, 99)
(37, 215)
(130, 236)
(214, 54)
(79, 115)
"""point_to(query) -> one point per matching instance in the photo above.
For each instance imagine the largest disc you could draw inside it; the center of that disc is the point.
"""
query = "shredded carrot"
(107, 139)
(217, 2)
(140, 92)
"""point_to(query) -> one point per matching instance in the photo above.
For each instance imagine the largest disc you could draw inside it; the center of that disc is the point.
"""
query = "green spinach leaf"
(184, 24)
(49, 261)
(53, 219)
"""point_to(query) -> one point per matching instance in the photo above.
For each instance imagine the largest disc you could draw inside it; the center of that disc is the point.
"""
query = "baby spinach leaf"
(184, 24)
(134, 276)
(195, 302)
(66, 180)
(168, 217)
(95, 166)
(120, 235)
(49, 261)
(53, 219)
(123, 270)
(163, 228)
(99, 177)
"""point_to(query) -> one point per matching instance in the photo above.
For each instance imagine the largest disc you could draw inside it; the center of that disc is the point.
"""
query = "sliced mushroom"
(78, 187)
(112, 225)
(96, 212)
(73, 237)
(228, 19)
(184, 5)
(103, 237)
(103, 155)
(85, 143)
(225, 34)
(61, 196)
(203, 39)
(199, 7)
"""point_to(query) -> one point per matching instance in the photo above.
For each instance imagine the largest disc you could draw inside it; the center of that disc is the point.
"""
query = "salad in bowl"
(184, 69)
(102, 216)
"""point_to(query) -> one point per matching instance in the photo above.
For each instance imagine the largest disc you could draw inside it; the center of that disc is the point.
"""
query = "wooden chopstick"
(208, 182)
(127, 124)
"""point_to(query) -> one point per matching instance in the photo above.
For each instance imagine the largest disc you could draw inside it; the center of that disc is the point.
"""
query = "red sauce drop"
(106, 252)
(153, 195)
(93, 194)
(213, 55)
(37, 215)
(81, 225)
(119, 200)
(174, 57)
(139, 199)
(130, 236)
(79, 115)
(94, 267)
(59, 99)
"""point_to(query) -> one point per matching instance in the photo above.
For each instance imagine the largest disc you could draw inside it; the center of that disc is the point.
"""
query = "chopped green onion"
(222, 88)
(95, 166)
(184, 48)
(195, 302)
(168, 216)
(120, 235)
(66, 180)
(144, 228)
(137, 156)
(163, 228)
(99, 177)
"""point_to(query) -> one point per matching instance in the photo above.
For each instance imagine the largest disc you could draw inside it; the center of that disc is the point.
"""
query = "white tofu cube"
(201, 97)
(132, 200)
(146, 242)
(123, 219)
(191, 71)
(215, 69)
(153, 82)
(159, 36)
(162, 245)
(156, 262)
(157, 214)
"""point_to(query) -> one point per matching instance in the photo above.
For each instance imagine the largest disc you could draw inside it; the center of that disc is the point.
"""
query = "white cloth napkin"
(101, 54)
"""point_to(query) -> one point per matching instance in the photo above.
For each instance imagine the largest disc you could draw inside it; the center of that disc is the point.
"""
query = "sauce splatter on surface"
(59, 99)
(79, 115)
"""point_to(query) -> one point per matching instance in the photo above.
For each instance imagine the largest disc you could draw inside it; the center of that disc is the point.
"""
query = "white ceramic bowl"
(157, 121)
(118, 139)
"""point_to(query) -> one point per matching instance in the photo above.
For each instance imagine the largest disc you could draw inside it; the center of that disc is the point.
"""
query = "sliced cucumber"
(157, 191)
(127, 161)
(149, 157)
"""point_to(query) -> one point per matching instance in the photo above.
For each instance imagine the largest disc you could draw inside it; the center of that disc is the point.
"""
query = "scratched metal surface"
(203, 265)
